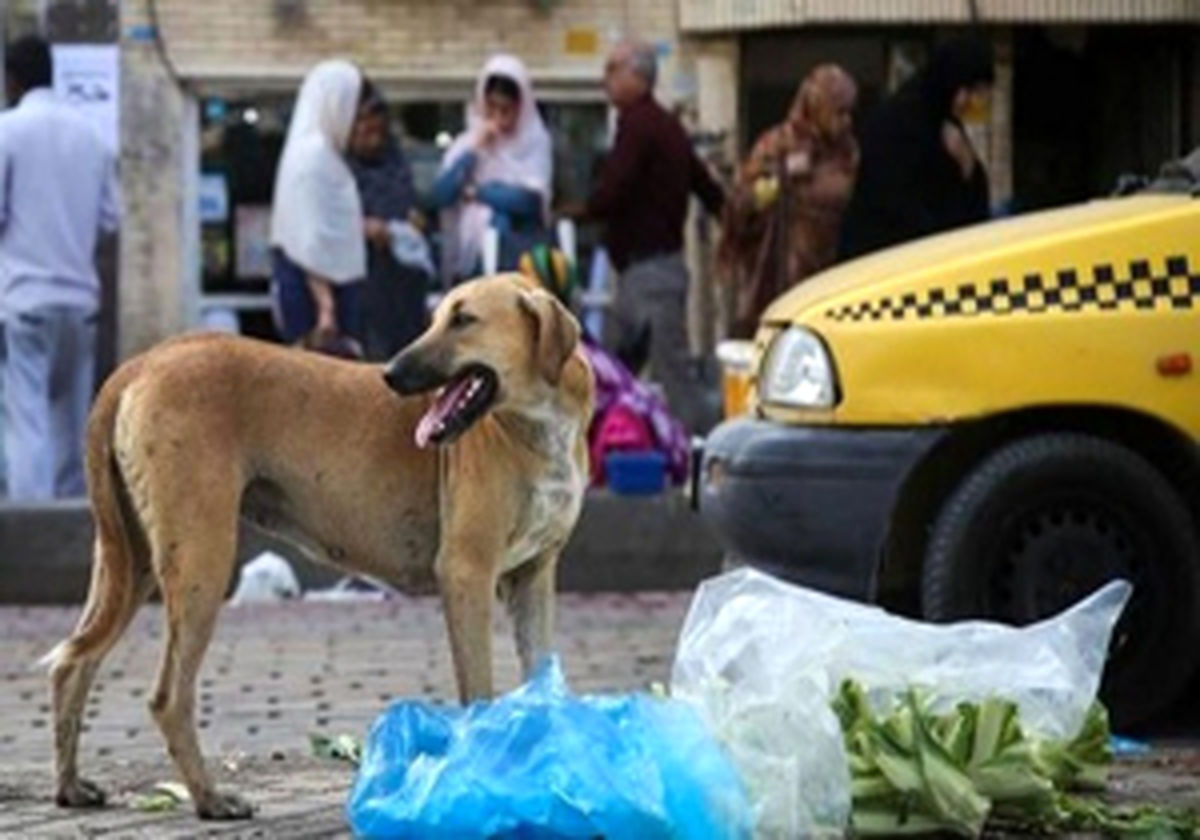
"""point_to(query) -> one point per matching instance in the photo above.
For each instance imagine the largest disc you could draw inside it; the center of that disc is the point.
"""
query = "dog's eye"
(461, 319)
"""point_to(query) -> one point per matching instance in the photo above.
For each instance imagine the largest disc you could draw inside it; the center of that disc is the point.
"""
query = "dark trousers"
(393, 304)
(298, 310)
(651, 324)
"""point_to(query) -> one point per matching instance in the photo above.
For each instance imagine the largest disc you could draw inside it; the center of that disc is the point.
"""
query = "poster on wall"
(252, 224)
(214, 198)
(87, 76)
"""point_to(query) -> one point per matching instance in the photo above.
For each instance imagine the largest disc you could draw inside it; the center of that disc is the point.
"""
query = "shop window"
(240, 146)
(242, 141)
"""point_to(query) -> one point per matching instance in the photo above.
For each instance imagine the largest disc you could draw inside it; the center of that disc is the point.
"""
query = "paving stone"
(273, 674)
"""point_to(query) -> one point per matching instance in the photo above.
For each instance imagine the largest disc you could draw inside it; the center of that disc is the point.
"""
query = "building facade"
(1086, 90)
(227, 70)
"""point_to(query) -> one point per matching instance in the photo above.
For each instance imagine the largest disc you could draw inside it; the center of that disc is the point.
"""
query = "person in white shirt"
(318, 234)
(57, 192)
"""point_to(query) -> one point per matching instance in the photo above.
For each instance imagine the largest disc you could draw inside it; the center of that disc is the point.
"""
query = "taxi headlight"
(797, 371)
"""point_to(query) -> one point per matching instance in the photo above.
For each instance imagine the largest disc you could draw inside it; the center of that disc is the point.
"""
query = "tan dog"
(200, 430)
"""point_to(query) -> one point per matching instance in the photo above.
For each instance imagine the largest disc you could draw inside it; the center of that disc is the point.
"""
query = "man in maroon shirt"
(642, 196)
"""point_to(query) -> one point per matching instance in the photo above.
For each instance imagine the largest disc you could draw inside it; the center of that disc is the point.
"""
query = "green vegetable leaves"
(340, 747)
(164, 796)
(915, 771)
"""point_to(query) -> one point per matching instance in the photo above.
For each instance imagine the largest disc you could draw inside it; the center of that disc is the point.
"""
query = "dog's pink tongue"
(435, 416)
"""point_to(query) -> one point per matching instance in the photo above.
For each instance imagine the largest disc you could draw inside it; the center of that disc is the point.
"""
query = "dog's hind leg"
(194, 540)
(75, 663)
(121, 581)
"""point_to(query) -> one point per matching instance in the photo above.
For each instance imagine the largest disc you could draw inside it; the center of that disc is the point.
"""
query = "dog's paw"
(80, 794)
(224, 806)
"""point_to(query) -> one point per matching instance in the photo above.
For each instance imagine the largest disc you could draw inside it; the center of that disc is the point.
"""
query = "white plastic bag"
(268, 577)
(762, 659)
(409, 247)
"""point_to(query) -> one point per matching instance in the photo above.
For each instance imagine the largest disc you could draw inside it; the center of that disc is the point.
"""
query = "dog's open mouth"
(457, 405)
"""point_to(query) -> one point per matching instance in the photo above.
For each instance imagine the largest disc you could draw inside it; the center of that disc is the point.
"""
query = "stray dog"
(470, 483)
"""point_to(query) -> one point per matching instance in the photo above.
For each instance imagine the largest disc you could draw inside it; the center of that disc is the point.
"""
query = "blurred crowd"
(352, 262)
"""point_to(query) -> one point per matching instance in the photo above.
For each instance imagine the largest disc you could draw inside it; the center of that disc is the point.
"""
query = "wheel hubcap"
(1055, 552)
(1059, 556)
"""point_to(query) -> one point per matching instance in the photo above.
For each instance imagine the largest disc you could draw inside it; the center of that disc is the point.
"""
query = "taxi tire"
(953, 576)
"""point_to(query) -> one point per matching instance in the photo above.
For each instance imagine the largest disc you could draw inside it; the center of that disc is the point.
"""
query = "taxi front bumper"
(812, 504)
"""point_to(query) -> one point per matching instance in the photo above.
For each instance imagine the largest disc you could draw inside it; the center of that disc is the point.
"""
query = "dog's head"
(495, 344)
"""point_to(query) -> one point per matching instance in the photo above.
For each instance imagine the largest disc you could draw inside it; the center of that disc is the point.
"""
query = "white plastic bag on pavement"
(362, 588)
(268, 577)
(762, 659)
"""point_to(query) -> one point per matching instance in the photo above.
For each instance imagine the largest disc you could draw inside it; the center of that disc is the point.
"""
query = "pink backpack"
(619, 430)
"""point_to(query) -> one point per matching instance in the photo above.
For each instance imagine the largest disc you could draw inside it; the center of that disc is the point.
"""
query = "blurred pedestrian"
(919, 174)
(3, 417)
(319, 255)
(393, 299)
(784, 216)
(58, 190)
(496, 174)
(642, 196)
(626, 413)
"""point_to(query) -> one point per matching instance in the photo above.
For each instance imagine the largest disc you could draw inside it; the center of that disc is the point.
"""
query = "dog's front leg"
(530, 591)
(467, 592)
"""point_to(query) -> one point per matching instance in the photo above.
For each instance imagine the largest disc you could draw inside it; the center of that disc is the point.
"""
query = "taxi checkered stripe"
(1178, 287)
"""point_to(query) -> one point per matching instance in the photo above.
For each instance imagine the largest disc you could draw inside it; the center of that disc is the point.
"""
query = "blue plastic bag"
(542, 763)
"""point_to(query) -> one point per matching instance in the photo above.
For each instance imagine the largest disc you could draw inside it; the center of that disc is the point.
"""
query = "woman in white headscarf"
(317, 232)
(496, 173)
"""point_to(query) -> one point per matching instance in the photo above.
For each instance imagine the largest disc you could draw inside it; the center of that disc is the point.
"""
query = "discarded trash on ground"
(337, 747)
(540, 762)
(1091, 815)
(763, 661)
(268, 577)
(164, 796)
(914, 770)
(1128, 746)
(791, 714)
(352, 589)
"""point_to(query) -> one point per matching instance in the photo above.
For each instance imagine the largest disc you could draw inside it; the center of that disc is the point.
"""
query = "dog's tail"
(117, 570)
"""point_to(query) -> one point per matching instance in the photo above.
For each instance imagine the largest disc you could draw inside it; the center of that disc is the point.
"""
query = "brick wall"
(424, 40)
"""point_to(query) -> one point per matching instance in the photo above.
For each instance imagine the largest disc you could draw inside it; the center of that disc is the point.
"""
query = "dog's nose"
(390, 376)
(408, 374)
(394, 376)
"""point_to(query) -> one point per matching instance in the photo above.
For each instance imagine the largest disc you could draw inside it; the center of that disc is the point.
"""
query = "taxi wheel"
(1047, 520)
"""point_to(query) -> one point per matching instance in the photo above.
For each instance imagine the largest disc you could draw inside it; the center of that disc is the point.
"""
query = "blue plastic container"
(637, 473)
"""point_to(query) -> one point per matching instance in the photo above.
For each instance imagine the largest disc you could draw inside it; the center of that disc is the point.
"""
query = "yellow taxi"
(991, 422)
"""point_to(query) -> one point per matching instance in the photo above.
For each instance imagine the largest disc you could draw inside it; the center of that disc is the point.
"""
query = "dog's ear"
(555, 331)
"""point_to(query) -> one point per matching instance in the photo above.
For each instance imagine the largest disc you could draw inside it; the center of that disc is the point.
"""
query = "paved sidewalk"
(274, 674)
